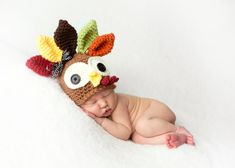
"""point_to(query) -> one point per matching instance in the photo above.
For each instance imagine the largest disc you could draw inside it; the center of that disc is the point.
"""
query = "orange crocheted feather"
(102, 45)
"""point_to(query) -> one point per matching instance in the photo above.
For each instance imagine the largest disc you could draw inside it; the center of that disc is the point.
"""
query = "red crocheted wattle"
(40, 65)
(106, 80)
(114, 79)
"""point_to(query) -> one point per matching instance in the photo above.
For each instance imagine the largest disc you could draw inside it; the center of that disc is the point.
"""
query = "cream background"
(180, 52)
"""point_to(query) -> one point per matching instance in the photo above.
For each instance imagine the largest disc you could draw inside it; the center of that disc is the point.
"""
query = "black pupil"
(75, 79)
(101, 67)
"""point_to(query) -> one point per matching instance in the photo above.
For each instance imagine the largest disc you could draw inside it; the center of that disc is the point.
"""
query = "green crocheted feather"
(87, 34)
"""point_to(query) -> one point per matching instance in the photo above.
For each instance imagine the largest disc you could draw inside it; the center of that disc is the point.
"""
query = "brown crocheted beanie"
(80, 95)
(75, 60)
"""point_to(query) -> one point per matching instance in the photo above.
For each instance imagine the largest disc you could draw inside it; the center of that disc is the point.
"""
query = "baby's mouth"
(108, 112)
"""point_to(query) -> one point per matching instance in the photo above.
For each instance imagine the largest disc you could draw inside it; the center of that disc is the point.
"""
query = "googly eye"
(101, 67)
(98, 65)
(76, 75)
(75, 79)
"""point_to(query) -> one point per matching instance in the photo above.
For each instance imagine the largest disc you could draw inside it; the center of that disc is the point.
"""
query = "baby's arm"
(120, 125)
(116, 129)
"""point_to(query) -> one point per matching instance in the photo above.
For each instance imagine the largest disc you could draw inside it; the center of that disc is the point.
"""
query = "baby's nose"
(102, 103)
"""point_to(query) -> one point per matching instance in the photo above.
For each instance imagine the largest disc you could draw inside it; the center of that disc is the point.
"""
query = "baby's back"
(136, 106)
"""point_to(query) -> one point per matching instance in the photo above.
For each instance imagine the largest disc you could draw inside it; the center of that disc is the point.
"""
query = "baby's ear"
(102, 45)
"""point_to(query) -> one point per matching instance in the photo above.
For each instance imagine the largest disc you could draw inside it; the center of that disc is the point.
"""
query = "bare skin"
(143, 120)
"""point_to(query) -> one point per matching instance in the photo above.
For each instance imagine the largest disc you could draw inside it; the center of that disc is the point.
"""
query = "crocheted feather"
(40, 65)
(102, 45)
(48, 49)
(66, 37)
(87, 34)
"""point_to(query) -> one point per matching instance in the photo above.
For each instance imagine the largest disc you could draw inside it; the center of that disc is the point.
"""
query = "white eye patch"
(98, 65)
(77, 75)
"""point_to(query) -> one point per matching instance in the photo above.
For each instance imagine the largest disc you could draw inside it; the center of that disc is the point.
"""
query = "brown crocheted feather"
(65, 37)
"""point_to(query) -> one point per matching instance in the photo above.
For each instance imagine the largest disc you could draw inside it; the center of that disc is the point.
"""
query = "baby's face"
(101, 104)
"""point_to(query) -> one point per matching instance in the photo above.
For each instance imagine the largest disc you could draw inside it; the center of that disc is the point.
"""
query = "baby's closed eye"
(91, 102)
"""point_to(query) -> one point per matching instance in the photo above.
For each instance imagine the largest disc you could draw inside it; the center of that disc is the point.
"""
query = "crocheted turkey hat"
(75, 60)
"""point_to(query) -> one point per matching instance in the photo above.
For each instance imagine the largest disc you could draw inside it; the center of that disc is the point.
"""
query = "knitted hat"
(75, 60)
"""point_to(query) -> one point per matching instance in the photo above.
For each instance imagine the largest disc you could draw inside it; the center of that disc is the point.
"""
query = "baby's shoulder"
(127, 100)
(123, 99)
(127, 96)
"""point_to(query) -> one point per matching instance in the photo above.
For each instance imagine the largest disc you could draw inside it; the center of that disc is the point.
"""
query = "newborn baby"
(144, 120)
(74, 59)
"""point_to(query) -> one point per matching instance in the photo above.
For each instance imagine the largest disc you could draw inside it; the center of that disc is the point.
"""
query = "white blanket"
(181, 53)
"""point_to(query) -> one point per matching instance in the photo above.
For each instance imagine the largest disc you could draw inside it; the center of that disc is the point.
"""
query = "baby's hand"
(97, 119)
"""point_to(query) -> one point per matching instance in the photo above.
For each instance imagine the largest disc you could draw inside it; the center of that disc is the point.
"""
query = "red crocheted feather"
(102, 45)
(40, 65)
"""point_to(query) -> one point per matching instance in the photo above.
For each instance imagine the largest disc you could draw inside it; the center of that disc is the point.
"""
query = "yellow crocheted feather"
(48, 49)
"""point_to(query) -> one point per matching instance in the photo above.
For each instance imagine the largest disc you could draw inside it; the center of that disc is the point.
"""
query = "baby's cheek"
(94, 109)
(112, 101)
(88, 108)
